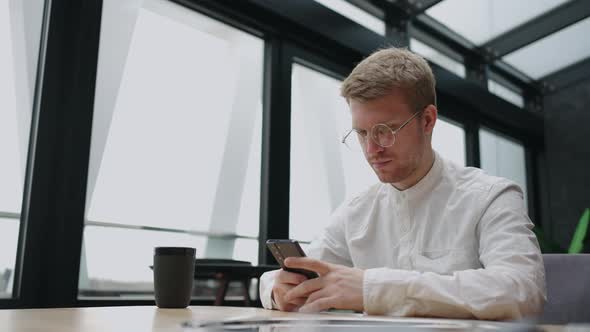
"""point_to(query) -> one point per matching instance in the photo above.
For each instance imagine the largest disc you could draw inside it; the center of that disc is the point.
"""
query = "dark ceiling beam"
(537, 28)
(424, 5)
(414, 8)
(516, 77)
(568, 76)
(410, 8)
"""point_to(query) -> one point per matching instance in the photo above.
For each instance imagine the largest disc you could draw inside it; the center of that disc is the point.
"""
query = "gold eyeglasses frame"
(374, 129)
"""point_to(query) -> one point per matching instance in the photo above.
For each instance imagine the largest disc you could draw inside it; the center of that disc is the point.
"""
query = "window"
(554, 52)
(356, 14)
(176, 143)
(505, 93)
(503, 157)
(323, 171)
(437, 57)
(448, 140)
(487, 19)
(20, 33)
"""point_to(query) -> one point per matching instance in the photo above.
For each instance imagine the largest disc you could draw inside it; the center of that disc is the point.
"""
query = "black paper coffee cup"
(174, 269)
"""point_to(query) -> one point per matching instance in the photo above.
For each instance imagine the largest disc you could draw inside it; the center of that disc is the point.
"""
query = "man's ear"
(429, 116)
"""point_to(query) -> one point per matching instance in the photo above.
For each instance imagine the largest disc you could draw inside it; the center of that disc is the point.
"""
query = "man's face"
(398, 162)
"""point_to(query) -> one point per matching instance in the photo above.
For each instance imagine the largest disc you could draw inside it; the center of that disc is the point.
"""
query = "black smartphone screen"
(282, 249)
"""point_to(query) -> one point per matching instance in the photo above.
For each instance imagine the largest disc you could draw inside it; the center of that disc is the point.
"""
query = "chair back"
(568, 288)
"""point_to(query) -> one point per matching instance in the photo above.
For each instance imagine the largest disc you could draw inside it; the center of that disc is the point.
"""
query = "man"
(433, 238)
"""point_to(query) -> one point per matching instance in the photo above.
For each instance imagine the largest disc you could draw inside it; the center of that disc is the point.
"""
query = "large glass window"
(176, 143)
(487, 19)
(356, 14)
(448, 139)
(20, 32)
(503, 157)
(323, 171)
(553, 52)
(437, 57)
(505, 93)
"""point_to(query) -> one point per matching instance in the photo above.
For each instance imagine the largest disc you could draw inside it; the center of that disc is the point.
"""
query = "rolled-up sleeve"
(267, 281)
(510, 285)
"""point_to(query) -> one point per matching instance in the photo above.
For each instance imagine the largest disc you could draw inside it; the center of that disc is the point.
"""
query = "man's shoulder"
(476, 180)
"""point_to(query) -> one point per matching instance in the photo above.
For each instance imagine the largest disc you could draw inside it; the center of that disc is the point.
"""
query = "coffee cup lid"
(180, 251)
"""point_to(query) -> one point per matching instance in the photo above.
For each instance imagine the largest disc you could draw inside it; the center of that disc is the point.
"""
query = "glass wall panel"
(487, 19)
(505, 93)
(323, 171)
(176, 140)
(554, 52)
(356, 14)
(448, 140)
(437, 57)
(20, 34)
(503, 157)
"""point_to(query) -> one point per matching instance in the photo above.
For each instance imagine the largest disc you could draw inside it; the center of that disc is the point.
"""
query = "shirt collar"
(426, 184)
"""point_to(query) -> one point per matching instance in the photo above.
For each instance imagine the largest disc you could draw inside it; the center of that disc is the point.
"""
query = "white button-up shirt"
(457, 244)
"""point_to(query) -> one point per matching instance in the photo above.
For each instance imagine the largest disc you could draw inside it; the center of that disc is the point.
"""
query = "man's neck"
(419, 173)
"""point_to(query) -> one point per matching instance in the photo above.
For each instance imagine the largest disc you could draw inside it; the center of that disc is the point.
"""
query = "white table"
(150, 318)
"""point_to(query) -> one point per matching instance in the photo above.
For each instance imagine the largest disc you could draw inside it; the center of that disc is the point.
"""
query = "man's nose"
(372, 147)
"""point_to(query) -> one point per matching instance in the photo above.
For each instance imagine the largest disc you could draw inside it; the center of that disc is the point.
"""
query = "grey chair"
(568, 289)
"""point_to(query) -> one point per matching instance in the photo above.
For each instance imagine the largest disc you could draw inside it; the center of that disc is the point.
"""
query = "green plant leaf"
(578, 240)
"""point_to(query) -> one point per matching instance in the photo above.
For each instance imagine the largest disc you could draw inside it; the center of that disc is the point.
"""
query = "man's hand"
(284, 282)
(338, 287)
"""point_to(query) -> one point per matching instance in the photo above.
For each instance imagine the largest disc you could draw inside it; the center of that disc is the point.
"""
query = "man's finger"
(298, 301)
(317, 295)
(308, 264)
(322, 304)
(304, 288)
(285, 277)
(289, 307)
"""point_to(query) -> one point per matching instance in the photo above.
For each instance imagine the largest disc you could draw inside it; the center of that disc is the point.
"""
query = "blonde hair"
(390, 68)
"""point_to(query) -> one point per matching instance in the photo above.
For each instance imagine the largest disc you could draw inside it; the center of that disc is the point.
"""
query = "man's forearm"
(482, 294)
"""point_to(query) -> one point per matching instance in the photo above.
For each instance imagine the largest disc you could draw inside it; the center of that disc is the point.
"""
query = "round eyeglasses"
(381, 133)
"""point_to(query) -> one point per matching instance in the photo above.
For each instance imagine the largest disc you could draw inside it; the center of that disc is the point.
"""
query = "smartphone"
(282, 249)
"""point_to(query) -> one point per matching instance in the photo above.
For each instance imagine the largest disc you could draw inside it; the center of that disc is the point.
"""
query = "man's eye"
(361, 133)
